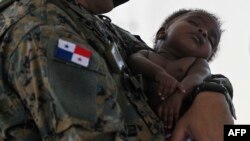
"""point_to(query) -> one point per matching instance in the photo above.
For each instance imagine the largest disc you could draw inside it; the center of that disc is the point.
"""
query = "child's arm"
(170, 108)
(195, 75)
(140, 64)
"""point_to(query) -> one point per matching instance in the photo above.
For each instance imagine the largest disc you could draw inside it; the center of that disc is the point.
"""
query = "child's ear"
(161, 34)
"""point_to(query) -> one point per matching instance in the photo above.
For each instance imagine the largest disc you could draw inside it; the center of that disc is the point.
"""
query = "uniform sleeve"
(132, 43)
(218, 83)
(14, 118)
(44, 68)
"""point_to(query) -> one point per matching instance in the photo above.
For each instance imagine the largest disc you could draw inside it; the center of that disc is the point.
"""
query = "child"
(184, 44)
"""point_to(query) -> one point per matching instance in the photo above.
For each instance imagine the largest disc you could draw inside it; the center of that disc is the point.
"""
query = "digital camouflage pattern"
(46, 98)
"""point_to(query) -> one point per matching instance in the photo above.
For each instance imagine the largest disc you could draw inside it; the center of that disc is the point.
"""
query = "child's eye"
(193, 22)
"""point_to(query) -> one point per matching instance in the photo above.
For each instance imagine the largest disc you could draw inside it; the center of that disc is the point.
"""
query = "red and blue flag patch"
(73, 53)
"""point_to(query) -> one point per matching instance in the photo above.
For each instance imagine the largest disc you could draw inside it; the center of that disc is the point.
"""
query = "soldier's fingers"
(179, 133)
(182, 130)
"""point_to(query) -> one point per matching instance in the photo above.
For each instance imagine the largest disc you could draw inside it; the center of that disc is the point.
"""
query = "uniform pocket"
(84, 95)
(74, 87)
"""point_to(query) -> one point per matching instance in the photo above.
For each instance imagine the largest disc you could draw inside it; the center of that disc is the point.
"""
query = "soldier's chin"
(119, 2)
(102, 10)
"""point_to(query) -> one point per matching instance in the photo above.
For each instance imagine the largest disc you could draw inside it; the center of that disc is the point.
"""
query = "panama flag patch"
(73, 53)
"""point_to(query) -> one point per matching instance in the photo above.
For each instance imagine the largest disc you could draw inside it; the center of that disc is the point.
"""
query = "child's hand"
(168, 85)
(169, 110)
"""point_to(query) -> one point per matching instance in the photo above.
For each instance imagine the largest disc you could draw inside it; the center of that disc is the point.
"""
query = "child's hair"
(170, 19)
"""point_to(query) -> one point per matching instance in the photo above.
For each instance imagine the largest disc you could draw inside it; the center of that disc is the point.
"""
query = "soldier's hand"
(205, 119)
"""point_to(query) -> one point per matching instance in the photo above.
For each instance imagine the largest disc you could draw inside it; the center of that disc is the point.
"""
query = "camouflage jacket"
(47, 95)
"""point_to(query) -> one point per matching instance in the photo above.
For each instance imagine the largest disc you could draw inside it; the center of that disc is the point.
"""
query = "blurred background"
(144, 17)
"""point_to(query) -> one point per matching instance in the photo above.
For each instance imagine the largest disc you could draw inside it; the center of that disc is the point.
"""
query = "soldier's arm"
(16, 122)
(211, 109)
(205, 119)
(62, 96)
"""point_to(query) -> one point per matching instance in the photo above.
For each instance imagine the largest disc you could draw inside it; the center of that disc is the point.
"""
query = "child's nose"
(203, 32)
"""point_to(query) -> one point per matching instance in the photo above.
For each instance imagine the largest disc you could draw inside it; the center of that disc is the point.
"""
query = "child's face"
(193, 34)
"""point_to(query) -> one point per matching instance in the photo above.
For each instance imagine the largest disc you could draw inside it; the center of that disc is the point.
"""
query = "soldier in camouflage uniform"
(63, 75)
